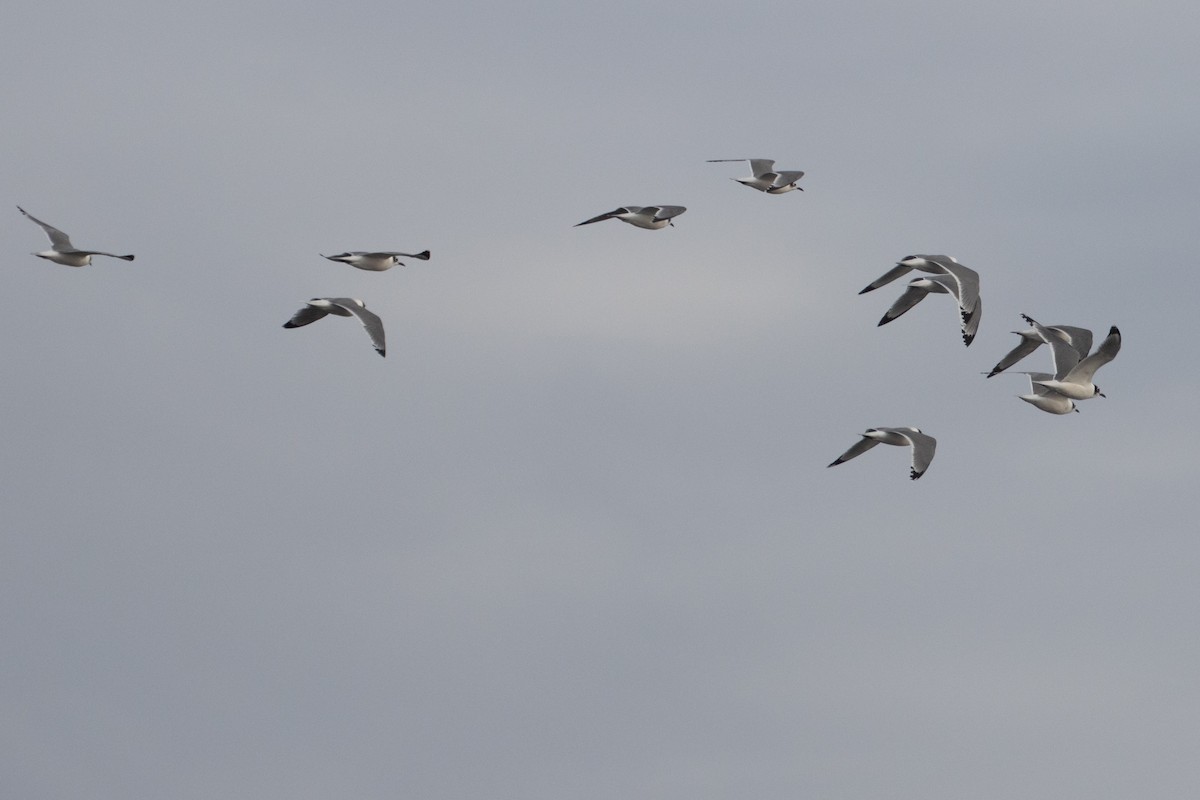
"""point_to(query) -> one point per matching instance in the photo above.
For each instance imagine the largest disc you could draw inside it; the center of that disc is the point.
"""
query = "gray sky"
(574, 537)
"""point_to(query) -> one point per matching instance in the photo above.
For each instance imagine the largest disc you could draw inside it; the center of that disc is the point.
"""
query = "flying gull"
(650, 217)
(922, 446)
(376, 262)
(62, 251)
(765, 178)
(1072, 375)
(318, 307)
(1046, 399)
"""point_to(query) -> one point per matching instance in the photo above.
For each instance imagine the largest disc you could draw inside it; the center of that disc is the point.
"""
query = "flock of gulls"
(1069, 381)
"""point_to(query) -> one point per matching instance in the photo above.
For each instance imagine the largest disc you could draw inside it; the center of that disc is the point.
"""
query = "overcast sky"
(575, 537)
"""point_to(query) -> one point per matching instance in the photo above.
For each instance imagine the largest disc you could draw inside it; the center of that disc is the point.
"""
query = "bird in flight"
(649, 217)
(376, 262)
(765, 178)
(922, 446)
(62, 251)
(319, 307)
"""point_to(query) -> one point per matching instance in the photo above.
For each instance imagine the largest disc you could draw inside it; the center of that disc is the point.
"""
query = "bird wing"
(369, 320)
(966, 278)
(912, 295)
(58, 239)
(761, 166)
(609, 215)
(970, 321)
(1064, 355)
(887, 277)
(1027, 346)
(304, 316)
(423, 255)
(1106, 352)
(784, 178)
(1038, 388)
(1080, 338)
(665, 212)
(861, 446)
(923, 448)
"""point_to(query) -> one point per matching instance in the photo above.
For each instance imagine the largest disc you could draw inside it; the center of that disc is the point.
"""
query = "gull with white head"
(377, 261)
(319, 307)
(923, 446)
(1047, 400)
(765, 177)
(1073, 375)
(649, 217)
(62, 251)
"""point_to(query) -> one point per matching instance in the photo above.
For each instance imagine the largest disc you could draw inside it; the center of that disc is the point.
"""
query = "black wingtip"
(864, 291)
(423, 255)
(125, 258)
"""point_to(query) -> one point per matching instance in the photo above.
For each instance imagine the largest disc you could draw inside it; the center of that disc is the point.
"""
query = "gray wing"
(1027, 346)
(423, 255)
(887, 277)
(761, 166)
(1080, 338)
(95, 253)
(1036, 387)
(784, 178)
(861, 446)
(923, 448)
(304, 316)
(1064, 355)
(938, 260)
(665, 212)
(965, 288)
(609, 215)
(1106, 352)
(966, 278)
(970, 322)
(369, 320)
(912, 295)
(58, 239)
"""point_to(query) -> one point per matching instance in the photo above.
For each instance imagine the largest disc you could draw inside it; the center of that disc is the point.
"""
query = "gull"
(922, 446)
(376, 262)
(765, 178)
(1072, 375)
(947, 277)
(1046, 399)
(650, 217)
(1079, 338)
(62, 251)
(318, 307)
